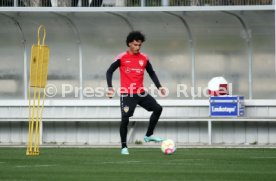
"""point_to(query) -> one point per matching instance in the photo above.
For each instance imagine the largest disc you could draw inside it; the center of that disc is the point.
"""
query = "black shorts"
(130, 101)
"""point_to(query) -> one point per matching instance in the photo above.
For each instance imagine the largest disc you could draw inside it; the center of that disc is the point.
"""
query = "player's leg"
(123, 131)
(128, 105)
(150, 104)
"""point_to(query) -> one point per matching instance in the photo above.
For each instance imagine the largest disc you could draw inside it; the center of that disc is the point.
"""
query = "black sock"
(123, 131)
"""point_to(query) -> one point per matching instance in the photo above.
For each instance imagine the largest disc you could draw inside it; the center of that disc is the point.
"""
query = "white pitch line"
(122, 162)
(25, 166)
(263, 157)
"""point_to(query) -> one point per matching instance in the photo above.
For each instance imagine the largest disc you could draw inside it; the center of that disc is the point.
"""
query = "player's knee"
(124, 120)
(127, 115)
(158, 109)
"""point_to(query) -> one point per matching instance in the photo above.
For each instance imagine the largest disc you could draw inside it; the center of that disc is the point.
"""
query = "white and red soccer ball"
(218, 86)
(168, 147)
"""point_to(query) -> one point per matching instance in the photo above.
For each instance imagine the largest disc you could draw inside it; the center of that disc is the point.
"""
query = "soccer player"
(132, 65)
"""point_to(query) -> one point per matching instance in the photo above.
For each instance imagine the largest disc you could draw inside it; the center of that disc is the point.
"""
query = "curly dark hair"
(135, 35)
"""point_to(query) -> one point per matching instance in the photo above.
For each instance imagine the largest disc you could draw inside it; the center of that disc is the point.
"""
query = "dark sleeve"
(152, 75)
(110, 71)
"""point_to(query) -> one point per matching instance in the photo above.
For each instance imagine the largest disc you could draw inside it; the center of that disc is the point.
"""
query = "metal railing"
(129, 3)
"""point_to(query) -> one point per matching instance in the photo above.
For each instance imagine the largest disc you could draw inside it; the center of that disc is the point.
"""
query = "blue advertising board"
(225, 106)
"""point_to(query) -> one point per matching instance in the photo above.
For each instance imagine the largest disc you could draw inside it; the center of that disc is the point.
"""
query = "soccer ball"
(168, 147)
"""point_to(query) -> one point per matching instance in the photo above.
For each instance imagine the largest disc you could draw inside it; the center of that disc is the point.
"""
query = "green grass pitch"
(145, 164)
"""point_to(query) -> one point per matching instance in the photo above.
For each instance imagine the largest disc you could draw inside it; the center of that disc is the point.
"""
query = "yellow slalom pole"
(38, 115)
(38, 80)
(44, 92)
(29, 147)
(34, 107)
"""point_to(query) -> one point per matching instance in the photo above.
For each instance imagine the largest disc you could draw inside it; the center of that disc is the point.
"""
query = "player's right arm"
(109, 74)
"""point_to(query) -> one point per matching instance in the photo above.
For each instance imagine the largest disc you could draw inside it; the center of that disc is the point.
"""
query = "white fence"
(97, 123)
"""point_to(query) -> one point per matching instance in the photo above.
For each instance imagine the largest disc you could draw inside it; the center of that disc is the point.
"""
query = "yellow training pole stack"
(38, 80)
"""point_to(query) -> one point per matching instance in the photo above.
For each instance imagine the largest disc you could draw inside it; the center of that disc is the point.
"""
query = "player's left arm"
(154, 78)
